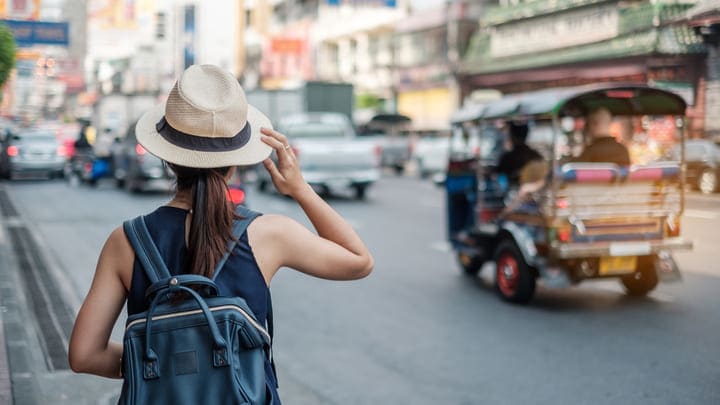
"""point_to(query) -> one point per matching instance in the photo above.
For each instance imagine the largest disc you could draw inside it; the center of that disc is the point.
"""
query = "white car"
(329, 153)
(431, 155)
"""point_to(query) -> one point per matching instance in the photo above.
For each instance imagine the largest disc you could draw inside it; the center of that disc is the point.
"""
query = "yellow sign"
(429, 109)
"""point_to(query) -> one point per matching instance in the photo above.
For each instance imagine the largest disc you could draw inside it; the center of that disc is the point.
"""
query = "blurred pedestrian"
(603, 147)
(82, 142)
(204, 130)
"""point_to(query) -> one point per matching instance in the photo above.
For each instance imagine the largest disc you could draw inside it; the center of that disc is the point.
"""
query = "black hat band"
(202, 143)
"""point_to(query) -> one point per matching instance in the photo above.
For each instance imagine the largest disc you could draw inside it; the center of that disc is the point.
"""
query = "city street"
(415, 332)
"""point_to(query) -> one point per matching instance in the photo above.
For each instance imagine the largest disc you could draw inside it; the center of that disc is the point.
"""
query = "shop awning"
(641, 31)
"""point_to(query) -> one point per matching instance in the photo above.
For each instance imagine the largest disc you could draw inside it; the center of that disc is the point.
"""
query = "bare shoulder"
(118, 241)
(117, 255)
(273, 226)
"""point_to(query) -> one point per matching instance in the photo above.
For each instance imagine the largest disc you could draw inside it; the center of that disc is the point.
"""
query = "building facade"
(427, 47)
(354, 44)
(704, 18)
(524, 46)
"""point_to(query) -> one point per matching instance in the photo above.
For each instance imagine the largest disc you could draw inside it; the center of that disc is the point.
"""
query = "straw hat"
(205, 122)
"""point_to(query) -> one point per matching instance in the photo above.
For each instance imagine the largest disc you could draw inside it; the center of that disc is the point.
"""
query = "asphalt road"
(417, 331)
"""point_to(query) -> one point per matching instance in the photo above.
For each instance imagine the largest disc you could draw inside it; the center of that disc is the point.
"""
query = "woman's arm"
(90, 348)
(336, 252)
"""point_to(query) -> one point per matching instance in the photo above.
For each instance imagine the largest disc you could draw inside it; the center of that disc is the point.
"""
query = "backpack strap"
(270, 329)
(145, 249)
(239, 226)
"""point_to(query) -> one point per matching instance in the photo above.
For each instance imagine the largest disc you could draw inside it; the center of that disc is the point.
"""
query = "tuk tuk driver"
(512, 162)
(523, 166)
(603, 147)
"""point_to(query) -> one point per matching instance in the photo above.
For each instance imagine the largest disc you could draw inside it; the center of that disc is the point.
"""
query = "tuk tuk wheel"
(470, 264)
(514, 280)
(645, 278)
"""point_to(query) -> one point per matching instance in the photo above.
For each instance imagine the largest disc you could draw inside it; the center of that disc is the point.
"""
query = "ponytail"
(212, 216)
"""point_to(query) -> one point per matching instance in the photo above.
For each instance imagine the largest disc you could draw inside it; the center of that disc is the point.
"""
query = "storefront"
(429, 108)
(427, 45)
(550, 44)
(704, 18)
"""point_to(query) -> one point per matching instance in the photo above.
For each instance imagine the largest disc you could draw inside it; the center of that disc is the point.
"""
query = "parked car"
(6, 131)
(33, 152)
(330, 155)
(390, 132)
(430, 155)
(703, 164)
(134, 168)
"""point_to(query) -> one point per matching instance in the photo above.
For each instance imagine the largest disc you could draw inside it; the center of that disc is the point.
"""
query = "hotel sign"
(29, 33)
(554, 32)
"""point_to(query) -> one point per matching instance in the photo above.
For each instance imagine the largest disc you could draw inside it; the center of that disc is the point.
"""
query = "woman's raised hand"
(286, 174)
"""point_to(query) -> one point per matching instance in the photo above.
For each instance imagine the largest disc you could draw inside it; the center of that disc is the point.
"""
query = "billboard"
(29, 33)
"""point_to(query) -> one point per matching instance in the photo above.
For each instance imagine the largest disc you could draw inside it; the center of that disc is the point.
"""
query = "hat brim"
(254, 151)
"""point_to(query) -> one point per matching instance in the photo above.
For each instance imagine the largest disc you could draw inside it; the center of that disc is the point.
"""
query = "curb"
(5, 389)
(6, 396)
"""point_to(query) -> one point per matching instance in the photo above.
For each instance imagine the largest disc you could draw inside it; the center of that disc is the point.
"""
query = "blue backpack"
(204, 349)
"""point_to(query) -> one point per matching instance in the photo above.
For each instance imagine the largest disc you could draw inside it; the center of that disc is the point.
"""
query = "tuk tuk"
(577, 221)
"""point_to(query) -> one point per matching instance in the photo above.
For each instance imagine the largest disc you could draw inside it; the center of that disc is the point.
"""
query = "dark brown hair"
(212, 216)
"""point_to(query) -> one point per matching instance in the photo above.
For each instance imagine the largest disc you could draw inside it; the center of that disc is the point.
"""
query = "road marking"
(701, 214)
(441, 246)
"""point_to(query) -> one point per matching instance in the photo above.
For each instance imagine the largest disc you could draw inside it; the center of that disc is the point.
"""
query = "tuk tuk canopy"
(623, 99)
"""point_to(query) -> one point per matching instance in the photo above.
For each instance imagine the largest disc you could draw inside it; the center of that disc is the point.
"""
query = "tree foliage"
(7, 53)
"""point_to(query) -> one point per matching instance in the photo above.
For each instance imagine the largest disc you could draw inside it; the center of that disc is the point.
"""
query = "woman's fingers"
(274, 134)
(274, 143)
(278, 142)
(271, 168)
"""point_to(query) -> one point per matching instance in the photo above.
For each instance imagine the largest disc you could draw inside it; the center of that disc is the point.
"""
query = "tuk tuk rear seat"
(607, 190)
(609, 172)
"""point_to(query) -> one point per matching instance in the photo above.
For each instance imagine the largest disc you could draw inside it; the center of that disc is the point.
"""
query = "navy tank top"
(239, 277)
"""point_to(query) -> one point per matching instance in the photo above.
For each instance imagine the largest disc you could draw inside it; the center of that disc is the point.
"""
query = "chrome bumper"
(630, 248)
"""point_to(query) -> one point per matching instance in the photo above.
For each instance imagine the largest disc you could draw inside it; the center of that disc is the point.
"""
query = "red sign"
(292, 46)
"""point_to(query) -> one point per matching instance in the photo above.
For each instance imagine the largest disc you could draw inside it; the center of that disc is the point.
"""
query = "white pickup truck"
(330, 155)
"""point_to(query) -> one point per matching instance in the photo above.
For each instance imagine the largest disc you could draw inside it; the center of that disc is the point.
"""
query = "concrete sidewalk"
(5, 390)
(26, 374)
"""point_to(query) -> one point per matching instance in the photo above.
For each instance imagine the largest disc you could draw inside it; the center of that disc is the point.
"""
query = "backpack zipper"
(199, 311)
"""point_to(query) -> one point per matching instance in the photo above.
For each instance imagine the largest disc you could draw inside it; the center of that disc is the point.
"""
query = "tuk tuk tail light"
(672, 226)
(562, 234)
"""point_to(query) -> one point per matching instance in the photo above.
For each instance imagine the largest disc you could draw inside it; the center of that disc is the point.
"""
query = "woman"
(205, 129)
